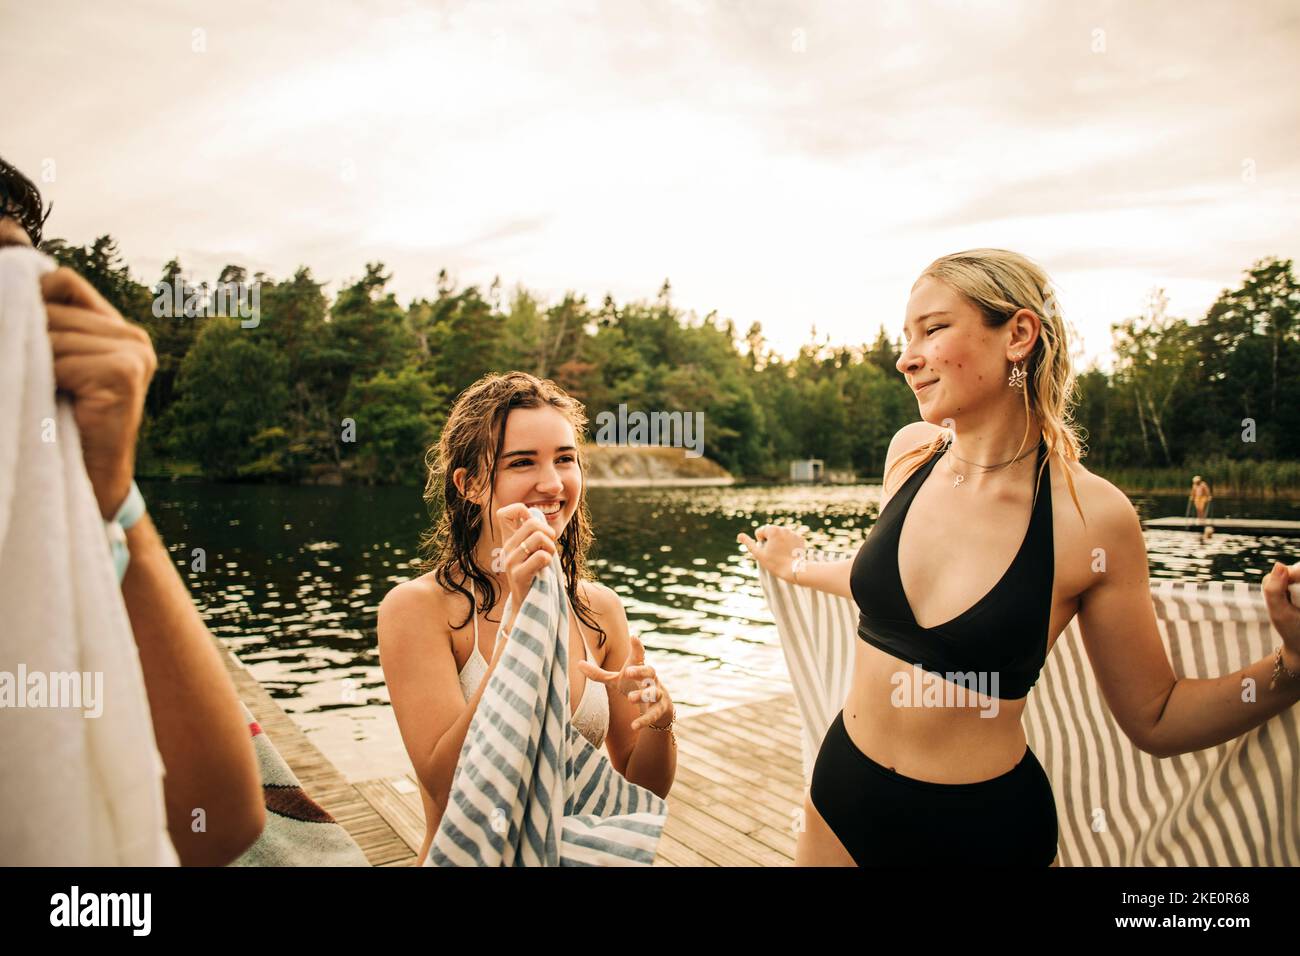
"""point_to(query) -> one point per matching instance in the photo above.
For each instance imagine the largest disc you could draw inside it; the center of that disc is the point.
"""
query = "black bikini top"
(1003, 636)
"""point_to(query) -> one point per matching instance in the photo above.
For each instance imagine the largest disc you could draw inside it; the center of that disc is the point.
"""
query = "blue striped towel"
(529, 788)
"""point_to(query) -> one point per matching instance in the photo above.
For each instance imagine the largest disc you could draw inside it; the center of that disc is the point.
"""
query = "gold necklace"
(961, 477)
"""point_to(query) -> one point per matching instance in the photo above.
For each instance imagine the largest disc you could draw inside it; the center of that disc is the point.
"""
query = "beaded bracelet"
(1279, 669)
(669, 728)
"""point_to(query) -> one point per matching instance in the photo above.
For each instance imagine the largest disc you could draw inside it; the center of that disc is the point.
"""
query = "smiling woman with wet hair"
(512, 442)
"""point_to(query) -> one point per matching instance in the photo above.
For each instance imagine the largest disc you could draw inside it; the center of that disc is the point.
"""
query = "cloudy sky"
(794, 164)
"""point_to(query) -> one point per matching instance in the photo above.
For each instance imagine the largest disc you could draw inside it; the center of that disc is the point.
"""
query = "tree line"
(355, 388)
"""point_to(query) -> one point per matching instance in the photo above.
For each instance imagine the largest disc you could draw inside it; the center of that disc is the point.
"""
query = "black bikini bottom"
(886, 819)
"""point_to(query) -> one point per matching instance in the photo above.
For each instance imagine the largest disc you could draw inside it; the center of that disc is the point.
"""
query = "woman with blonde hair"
(970, 595)
(512, 442)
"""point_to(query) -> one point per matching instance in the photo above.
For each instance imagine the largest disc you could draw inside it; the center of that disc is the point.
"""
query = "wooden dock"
(736, 801)
(1261, 526)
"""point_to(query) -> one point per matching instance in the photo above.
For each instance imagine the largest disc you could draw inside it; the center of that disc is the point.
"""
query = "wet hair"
(999, 283)
(21, 201)
(473, 439)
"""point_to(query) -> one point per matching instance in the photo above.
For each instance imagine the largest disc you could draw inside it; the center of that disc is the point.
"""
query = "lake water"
(294, 576)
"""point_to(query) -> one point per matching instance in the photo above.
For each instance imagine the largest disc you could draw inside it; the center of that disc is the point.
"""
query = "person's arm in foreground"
(1161, 713)
(105, 363)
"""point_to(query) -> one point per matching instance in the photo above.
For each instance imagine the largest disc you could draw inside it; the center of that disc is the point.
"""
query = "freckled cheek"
(951, 359)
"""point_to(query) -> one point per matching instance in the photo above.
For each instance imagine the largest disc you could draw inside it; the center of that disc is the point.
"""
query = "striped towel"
(530, 789)
(1237, 804)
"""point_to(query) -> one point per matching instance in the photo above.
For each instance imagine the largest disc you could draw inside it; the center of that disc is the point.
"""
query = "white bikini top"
(592, 716)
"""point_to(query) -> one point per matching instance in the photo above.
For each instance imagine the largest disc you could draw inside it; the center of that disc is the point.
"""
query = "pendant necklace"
(961, 477)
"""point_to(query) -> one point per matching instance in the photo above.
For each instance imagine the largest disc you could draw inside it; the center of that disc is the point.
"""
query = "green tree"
(233, 392)
(1155, 356)
(397, 417)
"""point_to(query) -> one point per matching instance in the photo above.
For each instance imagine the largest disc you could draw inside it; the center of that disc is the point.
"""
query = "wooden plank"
(753, 852)
(1262, 526)
(747, 790)
(408, 822)
(738, 800)
(776, 729)
(783, 843)
(770, 763)
(751, 740)
(725, 812)
(675, 853)
(753, 780)
(716, 851)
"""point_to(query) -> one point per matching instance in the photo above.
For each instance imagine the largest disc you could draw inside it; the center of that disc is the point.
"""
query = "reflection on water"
(291, 578)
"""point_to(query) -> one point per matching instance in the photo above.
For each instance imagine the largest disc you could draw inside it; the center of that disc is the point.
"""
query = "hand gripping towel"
(80, 774)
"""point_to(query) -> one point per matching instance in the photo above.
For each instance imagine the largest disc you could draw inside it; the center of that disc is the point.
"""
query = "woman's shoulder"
(1107, 507)
(910, 437)
(421, 601)
(601, 599)
(606, 608)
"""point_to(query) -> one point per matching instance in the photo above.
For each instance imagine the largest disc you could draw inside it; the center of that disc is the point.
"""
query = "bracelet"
(796, 567)
(669, 728)
(128, 513)
(670, 723)
(1279, 669)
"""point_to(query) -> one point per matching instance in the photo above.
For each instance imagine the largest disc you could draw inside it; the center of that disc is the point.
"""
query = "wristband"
(131, 511)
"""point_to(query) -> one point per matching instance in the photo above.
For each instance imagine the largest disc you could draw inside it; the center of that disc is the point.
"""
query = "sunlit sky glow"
(793, 164)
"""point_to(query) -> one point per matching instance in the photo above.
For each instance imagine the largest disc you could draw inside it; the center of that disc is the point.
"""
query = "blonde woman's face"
(539, 464)
(951, 360)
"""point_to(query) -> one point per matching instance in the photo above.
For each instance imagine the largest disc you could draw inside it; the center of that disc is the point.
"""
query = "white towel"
(74, 789)
(529, 788)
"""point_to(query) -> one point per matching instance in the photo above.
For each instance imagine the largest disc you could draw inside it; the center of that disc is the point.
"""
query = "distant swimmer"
(1201, 496)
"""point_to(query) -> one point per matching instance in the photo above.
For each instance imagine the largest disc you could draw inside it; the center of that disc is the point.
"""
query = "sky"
(794, 164)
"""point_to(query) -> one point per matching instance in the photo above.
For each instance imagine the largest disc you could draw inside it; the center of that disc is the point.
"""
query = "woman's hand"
(776, 549)
(530, 543)
(638, 682)
(1285, 614)
(105, 363)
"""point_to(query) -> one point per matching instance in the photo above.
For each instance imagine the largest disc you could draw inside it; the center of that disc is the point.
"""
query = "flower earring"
(1017, 379)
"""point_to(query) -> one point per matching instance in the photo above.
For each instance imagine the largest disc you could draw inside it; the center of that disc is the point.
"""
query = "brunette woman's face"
(539, 464)
(952, 361)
